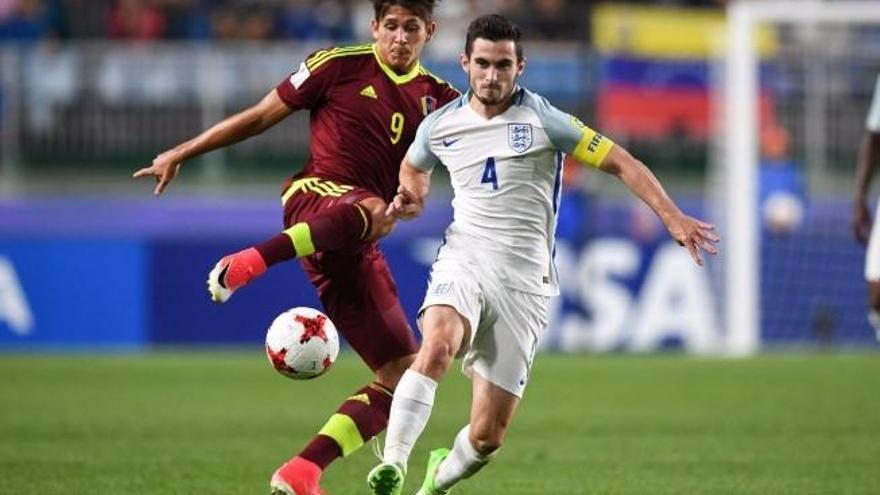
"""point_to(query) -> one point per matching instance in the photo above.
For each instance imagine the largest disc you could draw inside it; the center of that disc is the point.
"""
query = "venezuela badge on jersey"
(429, 104)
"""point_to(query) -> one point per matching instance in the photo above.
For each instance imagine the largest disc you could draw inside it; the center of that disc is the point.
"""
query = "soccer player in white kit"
(489, 289)
(869, 158)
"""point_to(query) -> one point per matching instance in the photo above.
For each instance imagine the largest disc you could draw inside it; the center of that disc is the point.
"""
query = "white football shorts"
(872, 257)
(506, 324)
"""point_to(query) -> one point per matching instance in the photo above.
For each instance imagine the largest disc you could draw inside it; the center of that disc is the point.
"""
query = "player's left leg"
(321, 225)
(476, 444)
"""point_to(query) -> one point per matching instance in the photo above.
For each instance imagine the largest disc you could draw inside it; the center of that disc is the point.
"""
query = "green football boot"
(386, 479)
(429, 486)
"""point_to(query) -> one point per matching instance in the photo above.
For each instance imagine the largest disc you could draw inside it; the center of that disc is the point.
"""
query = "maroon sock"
(368, 408)
(340, 226)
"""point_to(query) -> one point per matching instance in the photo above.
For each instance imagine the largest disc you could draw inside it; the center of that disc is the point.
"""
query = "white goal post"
(741, 283)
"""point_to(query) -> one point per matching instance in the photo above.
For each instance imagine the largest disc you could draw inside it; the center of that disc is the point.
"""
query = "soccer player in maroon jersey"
(366, 103)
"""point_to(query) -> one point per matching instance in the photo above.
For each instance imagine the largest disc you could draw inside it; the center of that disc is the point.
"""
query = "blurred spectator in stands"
(242, 22)
(515, 10)
(308, 20)
(782, 194)
(256, 24)
(298, 20)
(86, 19)
(188, 19)
(557, 20)
(335, 15)
(28, 21)
(453, 18)
(331, 21)
(225, 23)
(135, 20)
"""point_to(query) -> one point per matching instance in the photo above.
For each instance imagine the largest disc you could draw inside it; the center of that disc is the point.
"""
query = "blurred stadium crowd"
(92, 89)
(26, 21)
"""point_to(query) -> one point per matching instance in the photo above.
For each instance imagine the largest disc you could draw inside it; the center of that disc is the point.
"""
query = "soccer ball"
(302, 343)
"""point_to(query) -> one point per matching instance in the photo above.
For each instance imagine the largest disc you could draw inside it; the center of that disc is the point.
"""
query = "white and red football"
(302, 343)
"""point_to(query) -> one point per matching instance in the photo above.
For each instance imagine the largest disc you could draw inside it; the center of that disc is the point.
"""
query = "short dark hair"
(421, 8)
(493, 27)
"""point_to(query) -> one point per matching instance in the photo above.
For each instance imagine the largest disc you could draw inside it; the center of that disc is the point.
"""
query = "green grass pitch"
(220, 422)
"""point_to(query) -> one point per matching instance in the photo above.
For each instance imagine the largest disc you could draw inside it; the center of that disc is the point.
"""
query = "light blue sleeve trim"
(872, 123)
(561, 127)
(420, 154)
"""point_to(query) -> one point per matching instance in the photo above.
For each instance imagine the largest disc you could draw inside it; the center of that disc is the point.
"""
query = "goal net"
(791, 118)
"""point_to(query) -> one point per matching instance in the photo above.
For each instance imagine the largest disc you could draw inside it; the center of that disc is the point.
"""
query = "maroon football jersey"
(363, 115)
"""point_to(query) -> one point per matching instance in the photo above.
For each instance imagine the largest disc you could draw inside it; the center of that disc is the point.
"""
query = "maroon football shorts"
(355, 286)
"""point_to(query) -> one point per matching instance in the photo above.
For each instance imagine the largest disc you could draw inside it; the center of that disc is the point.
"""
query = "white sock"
(874, 319)
(410, 410)
(461, 463)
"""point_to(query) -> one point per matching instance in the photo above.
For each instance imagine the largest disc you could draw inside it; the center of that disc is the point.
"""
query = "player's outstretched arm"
(869, 155)
(250, 122)
(409, 201)
(690, 232)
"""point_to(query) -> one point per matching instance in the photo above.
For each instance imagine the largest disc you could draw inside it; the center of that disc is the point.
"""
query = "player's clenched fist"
(405, 205)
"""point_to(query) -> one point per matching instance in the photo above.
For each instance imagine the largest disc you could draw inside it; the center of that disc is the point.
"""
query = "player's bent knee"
(435, 357)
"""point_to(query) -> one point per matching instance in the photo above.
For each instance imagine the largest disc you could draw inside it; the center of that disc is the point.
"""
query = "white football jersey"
(872, 123)
(506, 173)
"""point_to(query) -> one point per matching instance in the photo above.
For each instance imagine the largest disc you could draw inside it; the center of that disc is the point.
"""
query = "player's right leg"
(317, 221)
(444, 330)
(429, 484)
(476, 444)
(359, 294)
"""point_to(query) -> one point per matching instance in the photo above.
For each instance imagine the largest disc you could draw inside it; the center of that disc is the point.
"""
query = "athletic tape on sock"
(416, 386)
(410, 410)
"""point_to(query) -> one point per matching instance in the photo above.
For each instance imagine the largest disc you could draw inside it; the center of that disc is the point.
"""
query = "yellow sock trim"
(301, 237)
(344, 432)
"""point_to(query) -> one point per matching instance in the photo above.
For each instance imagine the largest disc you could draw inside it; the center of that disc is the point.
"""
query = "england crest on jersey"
(519, 137)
